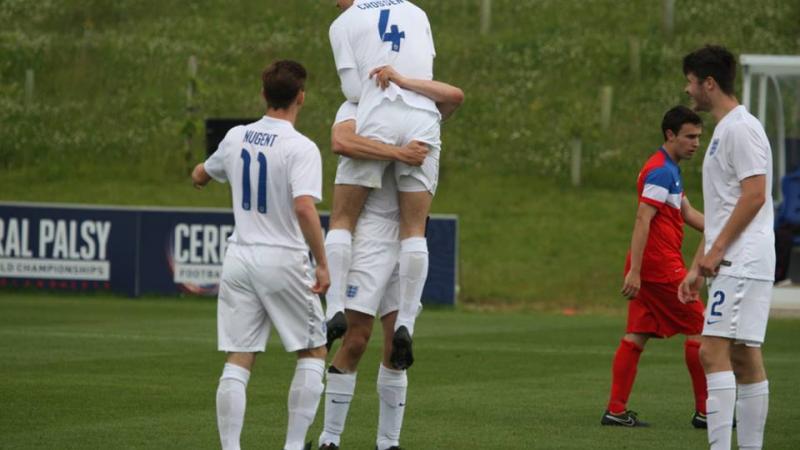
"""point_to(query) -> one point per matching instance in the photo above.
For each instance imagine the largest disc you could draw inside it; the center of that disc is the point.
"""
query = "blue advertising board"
(164, 251)
(67, 248)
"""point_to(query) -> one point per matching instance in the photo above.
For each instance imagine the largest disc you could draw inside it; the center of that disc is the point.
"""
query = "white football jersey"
(381, 203)
(374, 33)
(739, 149)
(268, 164)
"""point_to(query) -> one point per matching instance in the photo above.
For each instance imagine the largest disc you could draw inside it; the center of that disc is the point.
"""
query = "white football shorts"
(373, 282)
(395, 123)
(738, 309)
(262, 286)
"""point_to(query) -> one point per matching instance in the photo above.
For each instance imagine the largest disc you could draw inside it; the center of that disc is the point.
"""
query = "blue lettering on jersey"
(379, 4)
(258, 138)
(394, 36)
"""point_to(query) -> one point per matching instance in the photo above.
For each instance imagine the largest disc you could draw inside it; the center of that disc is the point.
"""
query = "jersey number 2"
(394, 36)
(261, 199)
(721, 296)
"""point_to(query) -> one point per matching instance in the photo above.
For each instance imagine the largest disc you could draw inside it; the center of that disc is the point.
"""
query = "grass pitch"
(110, 373)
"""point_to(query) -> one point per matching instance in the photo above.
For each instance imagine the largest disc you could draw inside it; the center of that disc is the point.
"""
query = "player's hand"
(323, 281)
(631, 285)
(709, 264)
(689, 289)
(200, 177)
(384, 75)
(414, 153)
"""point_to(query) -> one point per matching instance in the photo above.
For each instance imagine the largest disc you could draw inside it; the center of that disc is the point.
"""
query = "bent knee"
(355, 344)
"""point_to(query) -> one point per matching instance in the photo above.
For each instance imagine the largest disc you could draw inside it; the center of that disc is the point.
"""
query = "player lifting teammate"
(372, 282)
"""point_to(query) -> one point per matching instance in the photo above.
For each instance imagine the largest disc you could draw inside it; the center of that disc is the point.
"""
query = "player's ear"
(670, 135)
(710, 83)
(301, 98)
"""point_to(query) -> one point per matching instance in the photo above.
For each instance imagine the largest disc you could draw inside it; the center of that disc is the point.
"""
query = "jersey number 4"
(261, 200)
(394, 36)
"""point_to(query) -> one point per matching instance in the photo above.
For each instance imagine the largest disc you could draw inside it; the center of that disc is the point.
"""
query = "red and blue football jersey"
(660, 185)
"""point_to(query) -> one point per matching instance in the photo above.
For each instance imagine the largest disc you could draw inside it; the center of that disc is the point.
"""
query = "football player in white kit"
(737, 253)
(366, 36)
(372, 282)
(267, 279)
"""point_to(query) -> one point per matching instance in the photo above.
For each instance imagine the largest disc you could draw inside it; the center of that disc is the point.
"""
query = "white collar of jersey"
(274, 122)
(731, 113)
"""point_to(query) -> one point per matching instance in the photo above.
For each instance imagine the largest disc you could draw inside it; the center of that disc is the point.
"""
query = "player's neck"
(670, 151)
(724, 105)
(289, 114)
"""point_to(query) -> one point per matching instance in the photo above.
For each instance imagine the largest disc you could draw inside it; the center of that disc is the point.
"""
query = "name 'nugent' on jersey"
(268, 164)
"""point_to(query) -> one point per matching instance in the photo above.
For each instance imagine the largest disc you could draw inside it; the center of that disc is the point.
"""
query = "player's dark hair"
(712, 61)
(676, 117)
(282, 81)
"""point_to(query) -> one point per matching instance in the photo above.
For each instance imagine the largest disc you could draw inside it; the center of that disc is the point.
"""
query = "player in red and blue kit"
(654, 269)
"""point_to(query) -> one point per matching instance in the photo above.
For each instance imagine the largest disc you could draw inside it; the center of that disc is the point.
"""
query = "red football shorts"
(656, 310)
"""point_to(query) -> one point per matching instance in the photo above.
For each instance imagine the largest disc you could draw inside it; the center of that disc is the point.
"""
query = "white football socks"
(719, 408)
(231, 401)
(338, 249)
(751, 414)
(413, 273)
(304, 394)
(339, 391)
(392, 387)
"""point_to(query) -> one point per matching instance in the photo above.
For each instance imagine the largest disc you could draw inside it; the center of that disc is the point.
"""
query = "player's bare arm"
(200, 177)
(750, 202)
(691, 216)
(447, 97)
(689, 290)
(345, 142)
(308, 219)
(641, 229)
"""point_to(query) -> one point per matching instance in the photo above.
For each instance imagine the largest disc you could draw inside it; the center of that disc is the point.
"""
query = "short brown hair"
(282, 81)
(676, 117)
(712, 61)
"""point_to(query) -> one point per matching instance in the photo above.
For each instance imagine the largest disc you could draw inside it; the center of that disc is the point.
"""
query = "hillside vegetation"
(108, 121)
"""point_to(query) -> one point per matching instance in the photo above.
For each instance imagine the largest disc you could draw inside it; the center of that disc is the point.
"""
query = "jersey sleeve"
(749, 154)
(343, 54)
(215, 164)
(351, 84)
(430, 39)
(305, 173)
(346, 112)
(656, 186)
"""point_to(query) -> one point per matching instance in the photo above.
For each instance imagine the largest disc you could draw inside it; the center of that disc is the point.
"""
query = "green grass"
(108, 119)
(103, 372)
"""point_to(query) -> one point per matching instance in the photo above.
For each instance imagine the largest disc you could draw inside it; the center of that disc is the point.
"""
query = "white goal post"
(769, 69)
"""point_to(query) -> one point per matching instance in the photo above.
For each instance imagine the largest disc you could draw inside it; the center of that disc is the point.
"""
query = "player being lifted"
(738, 253)
(654, 269)
(267, 280)
(372, 281)
(368, 35)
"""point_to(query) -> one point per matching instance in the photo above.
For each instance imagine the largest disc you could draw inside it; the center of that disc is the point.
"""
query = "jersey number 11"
(261, 199)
